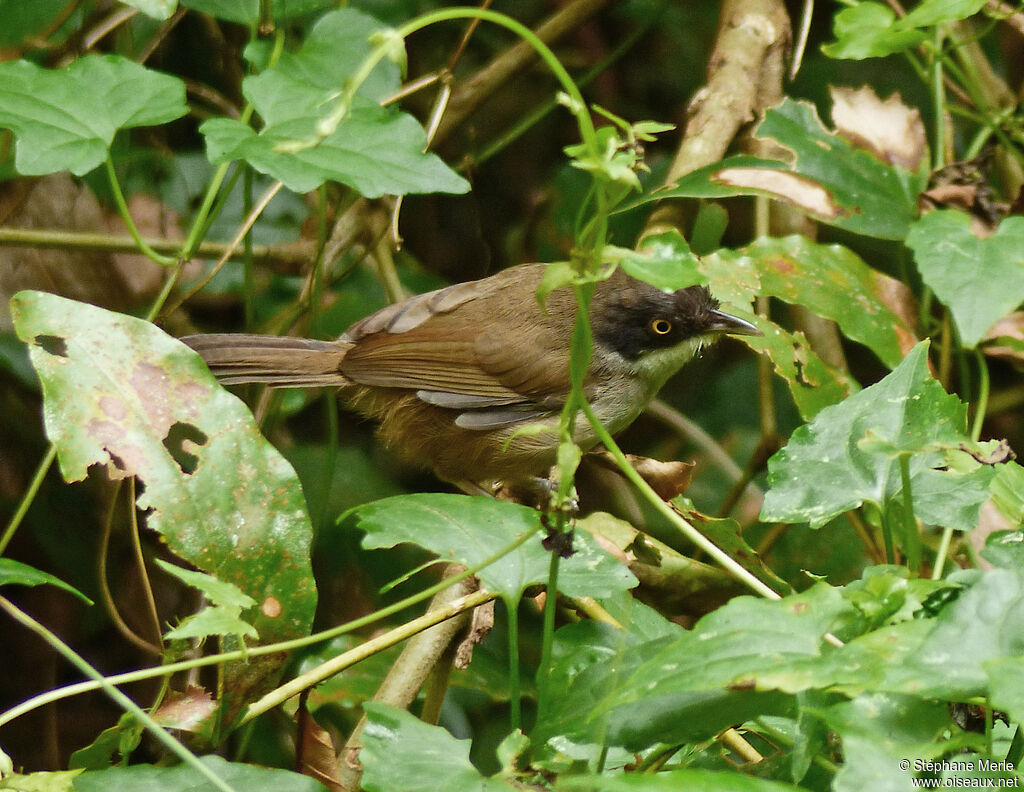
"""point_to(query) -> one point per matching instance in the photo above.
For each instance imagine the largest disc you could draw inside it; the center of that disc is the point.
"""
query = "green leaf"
(219, 592)
(59, 781)
(65, 119)
(430, 758)
(674, 781)
(221, 617)
(1006, 685)
(829, 178)
(949, 497)
(734, 279)
(587, 661)
(733, 646)
(829, 280)
(1005, 549)
(727, 534)
(813, 383)
(375, 150)
(157, 9)
(871, 30)
(940, 658)
(118, 392)
(311, 77)
(981, 280)
(664, 260)
(114, 744)
(183, 778)
(16, 573)
(244, 12)
(939, 12)
(868, 30)
(213, 620)
(823, 471)
(878, 732)
(886, 594)
(469, 530)
(1008, 492)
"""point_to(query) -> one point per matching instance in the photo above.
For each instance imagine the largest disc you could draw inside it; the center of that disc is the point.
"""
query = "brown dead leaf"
(791, 187)
(1009, 328)
(316, 754)
(990, 521)
(997, 453)
(185, 711)
(898, 298)
(479, 627)
(59, 203)
(888, 129)
(668, 479)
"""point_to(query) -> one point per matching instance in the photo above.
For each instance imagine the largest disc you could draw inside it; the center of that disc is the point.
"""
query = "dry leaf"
(316, 754)
(185, 711)
(890, 130)
(1010, 328)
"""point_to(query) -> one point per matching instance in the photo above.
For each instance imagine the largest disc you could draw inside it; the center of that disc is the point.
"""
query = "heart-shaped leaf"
(981, 280)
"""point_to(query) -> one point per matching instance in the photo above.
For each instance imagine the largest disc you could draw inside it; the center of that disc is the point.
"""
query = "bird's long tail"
(279, 361)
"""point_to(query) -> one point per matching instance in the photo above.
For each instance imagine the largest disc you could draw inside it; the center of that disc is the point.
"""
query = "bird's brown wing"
(467, 359)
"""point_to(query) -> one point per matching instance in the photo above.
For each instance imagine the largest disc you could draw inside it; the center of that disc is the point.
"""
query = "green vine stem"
(941, 552)
(122, 208)
(911, 537)
(77, 688)
(143, 717)
(381, 642)
(28, 497)
(724, 559)
(515, 704)
(386, 47)
(981, 404)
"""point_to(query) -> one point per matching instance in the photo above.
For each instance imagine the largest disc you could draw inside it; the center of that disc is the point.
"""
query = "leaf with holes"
(118, 392)
(830, 281)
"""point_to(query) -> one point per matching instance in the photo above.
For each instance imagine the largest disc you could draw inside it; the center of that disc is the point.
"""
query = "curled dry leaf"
(317, 754)
(185, 711)
(479, 627)
(668, 479)
(899, 299)
(1005, 339)
(993, 453)
(888, 129)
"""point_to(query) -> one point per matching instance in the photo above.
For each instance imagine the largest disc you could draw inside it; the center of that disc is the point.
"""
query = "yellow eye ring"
(661, 326)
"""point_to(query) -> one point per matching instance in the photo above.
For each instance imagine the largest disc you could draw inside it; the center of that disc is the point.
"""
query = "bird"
(469, 380)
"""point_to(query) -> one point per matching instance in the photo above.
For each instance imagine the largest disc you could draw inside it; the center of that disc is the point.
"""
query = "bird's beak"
(722, 322)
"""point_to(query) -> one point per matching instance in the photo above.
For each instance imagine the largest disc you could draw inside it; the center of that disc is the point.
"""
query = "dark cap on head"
(633, 317)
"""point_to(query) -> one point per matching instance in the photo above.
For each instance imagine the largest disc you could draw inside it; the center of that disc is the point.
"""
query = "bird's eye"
(661, 326)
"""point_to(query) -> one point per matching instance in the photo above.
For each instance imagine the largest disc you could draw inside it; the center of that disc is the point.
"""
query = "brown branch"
(744, 77)
(409, 672)
(287, 259)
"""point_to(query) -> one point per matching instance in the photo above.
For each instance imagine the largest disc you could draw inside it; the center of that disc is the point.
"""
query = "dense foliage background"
(213, 165)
